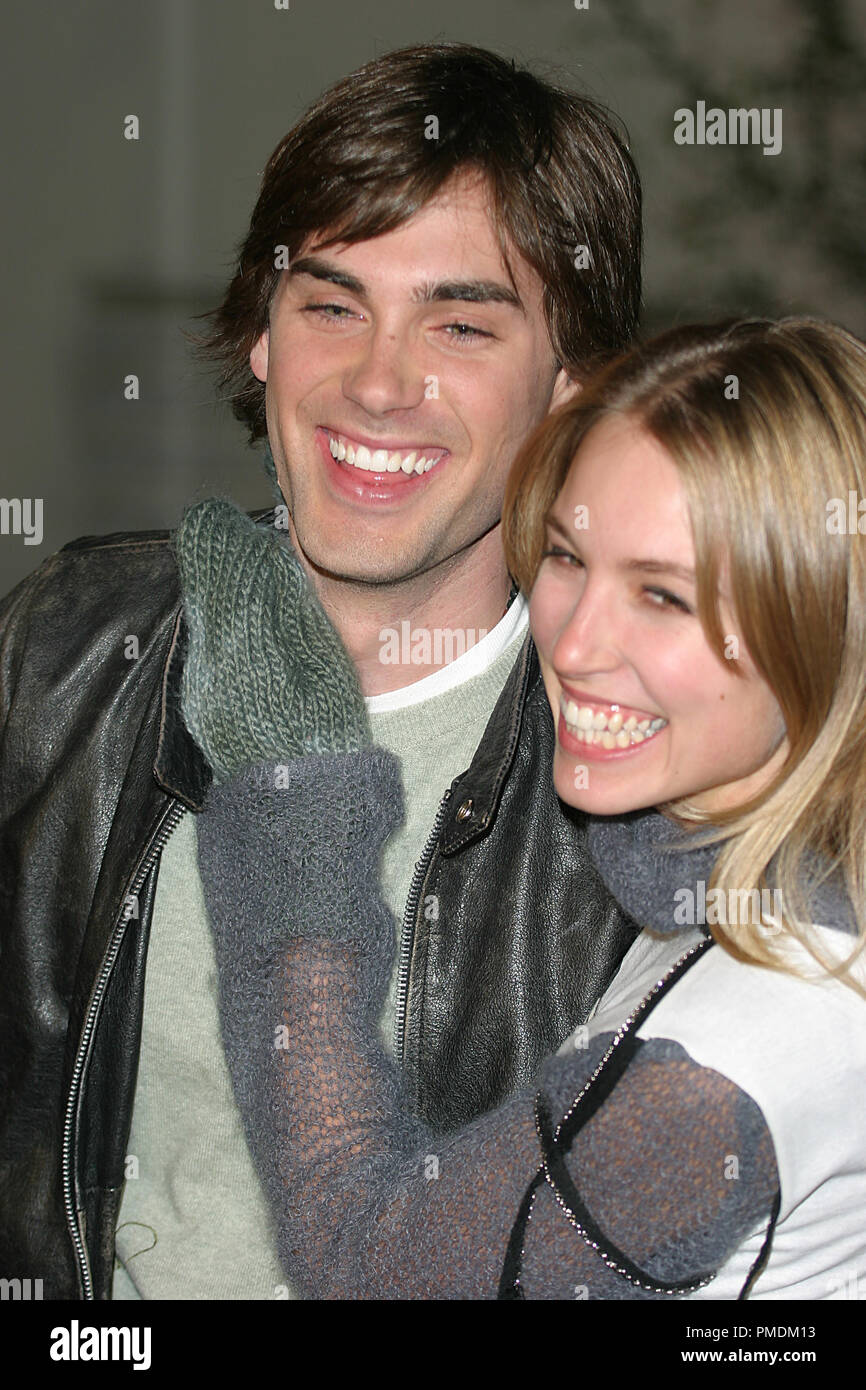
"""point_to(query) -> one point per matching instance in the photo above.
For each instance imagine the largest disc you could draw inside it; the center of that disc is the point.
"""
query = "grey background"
(111, 246)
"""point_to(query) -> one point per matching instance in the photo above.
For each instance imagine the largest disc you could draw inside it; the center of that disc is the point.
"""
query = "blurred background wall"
(113, 245)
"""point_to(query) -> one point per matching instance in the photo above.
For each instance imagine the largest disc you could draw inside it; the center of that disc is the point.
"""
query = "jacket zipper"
(172, 815)
(407, 937)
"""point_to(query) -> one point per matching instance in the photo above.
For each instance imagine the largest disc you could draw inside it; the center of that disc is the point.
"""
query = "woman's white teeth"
(609, 730)
(379, 460)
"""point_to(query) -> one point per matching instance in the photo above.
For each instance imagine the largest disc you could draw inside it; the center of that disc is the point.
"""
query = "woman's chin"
(597, 794)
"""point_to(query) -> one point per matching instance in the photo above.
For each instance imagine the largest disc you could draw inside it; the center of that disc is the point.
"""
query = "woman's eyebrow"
(553, 521)
(646, 565)
(649, 566)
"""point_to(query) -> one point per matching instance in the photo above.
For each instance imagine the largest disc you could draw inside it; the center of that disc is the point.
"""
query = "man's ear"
(565, 388)
(259, 357)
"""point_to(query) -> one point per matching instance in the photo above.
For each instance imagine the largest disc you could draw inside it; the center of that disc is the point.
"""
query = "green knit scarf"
(266, 676)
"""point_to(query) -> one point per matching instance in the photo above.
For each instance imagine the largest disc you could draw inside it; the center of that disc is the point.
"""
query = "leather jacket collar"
(182, 770)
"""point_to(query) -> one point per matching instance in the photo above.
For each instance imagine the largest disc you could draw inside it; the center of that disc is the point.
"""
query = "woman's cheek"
(549, 611)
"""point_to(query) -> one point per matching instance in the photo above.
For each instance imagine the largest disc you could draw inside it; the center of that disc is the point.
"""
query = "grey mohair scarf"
(647, 860)
(266, 675)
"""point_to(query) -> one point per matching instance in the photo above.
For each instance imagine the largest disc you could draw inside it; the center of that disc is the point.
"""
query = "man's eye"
(465, 332)
(663, 598)
(328, 311)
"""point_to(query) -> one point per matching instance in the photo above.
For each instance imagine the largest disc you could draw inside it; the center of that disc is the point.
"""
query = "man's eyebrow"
(469, 292)
(466, 291)
(323, 270)
(642, 565)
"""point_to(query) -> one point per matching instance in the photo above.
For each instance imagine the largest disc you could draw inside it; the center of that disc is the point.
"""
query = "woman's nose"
(589, 640)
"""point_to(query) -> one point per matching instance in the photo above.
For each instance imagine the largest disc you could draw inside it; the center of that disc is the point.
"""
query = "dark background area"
(113, 245)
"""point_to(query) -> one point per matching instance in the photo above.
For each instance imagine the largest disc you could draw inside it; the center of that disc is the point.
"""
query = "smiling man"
(402, 374)
(442, 249)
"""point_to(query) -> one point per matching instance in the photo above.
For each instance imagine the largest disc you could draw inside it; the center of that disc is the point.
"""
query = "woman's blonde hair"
(766, 424)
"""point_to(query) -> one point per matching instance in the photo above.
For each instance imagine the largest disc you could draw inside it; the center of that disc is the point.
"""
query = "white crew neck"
(477, 659)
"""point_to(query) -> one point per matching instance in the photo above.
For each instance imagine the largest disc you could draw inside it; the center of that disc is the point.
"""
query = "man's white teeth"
(609, 730)
(379, 460)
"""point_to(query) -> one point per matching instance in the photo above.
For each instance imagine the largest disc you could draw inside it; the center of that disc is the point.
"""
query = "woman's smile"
(605, 729)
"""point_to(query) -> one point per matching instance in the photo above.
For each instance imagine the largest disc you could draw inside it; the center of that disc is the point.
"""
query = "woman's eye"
(557, 552)
(662, 598)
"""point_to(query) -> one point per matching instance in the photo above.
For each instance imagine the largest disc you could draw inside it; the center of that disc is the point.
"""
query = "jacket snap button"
(465, 811)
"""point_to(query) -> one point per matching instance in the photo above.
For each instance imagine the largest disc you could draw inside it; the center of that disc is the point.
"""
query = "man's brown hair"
(564, 193)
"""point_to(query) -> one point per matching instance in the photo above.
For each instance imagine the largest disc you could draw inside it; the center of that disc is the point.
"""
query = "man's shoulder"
(118, 542)
(95, 589)
(103, 575)
(124, 556)
(121, 561)
(92, 584)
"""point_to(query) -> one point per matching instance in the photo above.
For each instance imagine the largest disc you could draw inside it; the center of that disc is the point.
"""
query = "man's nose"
(386, 375)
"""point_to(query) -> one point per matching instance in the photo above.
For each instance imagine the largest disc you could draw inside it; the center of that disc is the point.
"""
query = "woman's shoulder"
(796, 1045)
(648, 960)
(802, 1012)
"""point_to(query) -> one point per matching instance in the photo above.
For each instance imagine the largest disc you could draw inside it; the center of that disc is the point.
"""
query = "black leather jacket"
(96, 768)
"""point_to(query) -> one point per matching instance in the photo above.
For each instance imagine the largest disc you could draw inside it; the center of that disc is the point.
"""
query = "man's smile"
(374, 457)
(384, 474)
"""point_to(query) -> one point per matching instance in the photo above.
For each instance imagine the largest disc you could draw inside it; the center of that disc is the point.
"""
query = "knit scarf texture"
(649, 865)
(266, 676)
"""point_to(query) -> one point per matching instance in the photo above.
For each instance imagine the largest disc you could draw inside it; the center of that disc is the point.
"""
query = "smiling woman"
(695, 1136)
(620, 640)
(707, 589)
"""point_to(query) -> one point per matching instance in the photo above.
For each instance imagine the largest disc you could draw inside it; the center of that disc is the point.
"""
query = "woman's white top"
(798, 1048)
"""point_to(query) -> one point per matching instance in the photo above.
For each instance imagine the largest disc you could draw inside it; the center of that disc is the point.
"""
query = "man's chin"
(331, 563)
